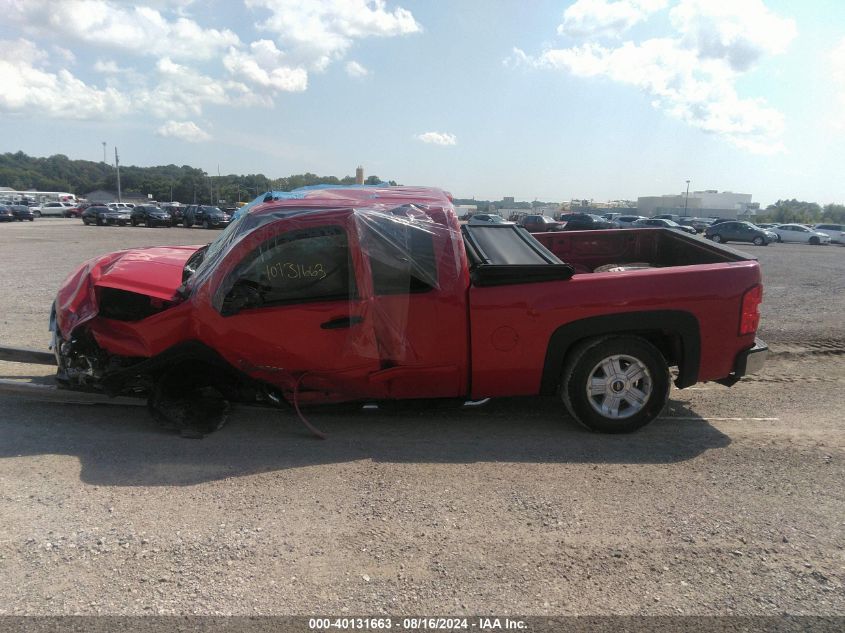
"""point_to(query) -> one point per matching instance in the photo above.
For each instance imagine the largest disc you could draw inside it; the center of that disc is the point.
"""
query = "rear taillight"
(749, 319)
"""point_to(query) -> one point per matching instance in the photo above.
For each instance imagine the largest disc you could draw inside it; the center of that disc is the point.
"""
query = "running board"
(29, 356)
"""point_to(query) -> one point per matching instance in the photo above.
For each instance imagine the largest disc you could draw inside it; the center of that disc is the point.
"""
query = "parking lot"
(733, 502)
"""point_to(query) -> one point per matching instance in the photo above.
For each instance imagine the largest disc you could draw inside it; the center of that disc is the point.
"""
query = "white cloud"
(184, 131)
(691, 75)
(354, 69)
(30, 89)
(65, 54)
(182, 90)
(606, 17)
(167, 79)
(739, 33)
(321, 31)
(437, 138)
(141, 30)
(265, 66)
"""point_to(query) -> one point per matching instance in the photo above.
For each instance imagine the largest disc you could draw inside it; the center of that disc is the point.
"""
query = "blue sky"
(597, 99)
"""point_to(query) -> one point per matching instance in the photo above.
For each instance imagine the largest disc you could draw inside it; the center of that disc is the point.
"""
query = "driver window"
(300, 266)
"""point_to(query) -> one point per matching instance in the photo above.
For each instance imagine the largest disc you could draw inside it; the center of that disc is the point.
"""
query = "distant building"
(708, 203)
(508, 200)
(465, 210)
(359, 175)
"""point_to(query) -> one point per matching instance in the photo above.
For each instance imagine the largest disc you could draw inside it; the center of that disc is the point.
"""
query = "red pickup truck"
(376, 294)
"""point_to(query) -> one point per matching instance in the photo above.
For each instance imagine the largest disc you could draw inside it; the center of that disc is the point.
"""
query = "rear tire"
(615, 384)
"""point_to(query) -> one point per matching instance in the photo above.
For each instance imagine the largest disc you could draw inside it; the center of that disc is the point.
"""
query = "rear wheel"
(615, 384)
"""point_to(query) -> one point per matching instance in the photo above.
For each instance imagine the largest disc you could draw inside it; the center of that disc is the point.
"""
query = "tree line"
(164, 182)
(784, 211)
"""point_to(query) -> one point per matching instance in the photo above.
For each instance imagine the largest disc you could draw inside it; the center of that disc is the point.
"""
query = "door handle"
(341, 322)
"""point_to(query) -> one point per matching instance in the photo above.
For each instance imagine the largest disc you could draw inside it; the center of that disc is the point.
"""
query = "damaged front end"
(119, 327)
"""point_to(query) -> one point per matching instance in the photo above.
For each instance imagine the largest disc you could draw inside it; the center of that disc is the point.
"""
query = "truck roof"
(340, 196)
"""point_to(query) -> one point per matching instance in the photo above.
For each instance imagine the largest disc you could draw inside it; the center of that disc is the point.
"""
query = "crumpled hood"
(155, 272)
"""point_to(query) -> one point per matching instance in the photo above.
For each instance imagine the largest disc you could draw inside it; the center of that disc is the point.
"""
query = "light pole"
(686, 200)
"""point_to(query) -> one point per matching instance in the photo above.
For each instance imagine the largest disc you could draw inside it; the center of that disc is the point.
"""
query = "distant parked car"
(149, 215)
(55, 209)
(836, 231)
(22, 212)
(668, 216)
(74, 211)
(660, 223)
(207, 216)
(625, 221)
(585, 222)
(740, 232)
(101, 215)
(486, 218)
(176, 212)
(6, 214)
(541, 224)
(800, 233)
(699, 224)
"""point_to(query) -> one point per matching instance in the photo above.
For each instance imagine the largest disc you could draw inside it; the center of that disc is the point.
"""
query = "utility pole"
(686, 200)
(117, 167)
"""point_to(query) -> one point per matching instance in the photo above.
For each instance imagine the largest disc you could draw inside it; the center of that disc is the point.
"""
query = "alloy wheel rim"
(619, 386)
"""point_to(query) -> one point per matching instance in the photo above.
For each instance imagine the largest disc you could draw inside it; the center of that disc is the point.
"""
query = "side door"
(289, 311)
(743, 232)
(792, 233)
(419, 306)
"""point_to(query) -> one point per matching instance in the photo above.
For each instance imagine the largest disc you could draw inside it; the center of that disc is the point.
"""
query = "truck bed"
(586, 251)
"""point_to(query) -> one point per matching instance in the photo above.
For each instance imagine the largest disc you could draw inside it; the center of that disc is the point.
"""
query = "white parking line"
(721, 419)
